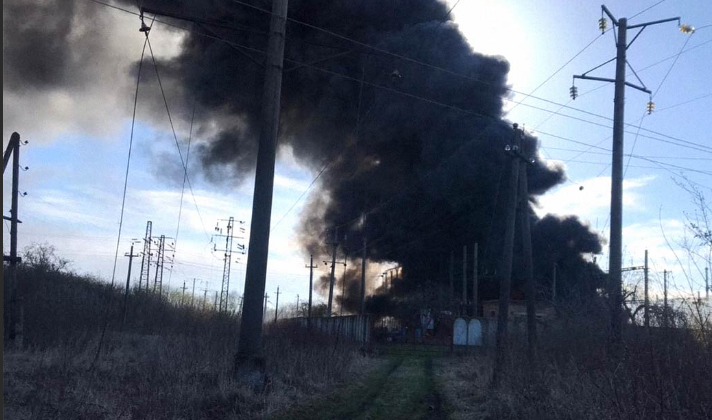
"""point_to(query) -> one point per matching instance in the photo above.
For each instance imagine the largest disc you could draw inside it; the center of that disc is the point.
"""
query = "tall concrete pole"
(332, 277)
(192, 296)
(276, 306)
(524, 218)
(665, 298)
(553, 284)
(311, 284)
(250, 342)
(475, 279)
(16, 306)
(452, 280)
(646, 307)
(463, 306)
(616, 236)
(128, 283)
(505, 270)
(362, 307)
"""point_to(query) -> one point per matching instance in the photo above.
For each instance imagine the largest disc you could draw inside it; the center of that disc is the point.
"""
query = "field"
(169, 360)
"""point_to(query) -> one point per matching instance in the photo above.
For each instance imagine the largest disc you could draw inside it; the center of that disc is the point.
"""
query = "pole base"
(251, 370)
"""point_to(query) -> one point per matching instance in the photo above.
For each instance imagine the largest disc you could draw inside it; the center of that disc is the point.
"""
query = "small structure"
(518, 310)
(472, 332)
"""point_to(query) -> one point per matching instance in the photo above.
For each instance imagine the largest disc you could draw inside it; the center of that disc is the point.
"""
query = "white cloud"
(590, 199)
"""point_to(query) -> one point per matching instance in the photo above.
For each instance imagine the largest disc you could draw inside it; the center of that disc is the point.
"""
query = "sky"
(78, 142)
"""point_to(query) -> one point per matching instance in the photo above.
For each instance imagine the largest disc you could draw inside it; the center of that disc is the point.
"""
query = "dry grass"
(666, 375)
(170, 361)
(153, 377)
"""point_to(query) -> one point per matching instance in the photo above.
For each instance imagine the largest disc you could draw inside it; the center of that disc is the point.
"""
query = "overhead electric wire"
(434, 67)
(646, 9)
(683, 103)
(175, 138)
(687, 144)
(123, 203)
(182, 190)
(433, 101)
(635, 140)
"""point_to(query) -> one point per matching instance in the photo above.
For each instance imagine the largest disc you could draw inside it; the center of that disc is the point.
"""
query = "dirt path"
(403, 389)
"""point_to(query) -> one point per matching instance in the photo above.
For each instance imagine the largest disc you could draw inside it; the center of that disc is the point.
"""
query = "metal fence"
(351, 327)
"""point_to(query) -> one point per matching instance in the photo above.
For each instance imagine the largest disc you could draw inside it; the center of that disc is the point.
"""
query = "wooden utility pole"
(249, 349)
(646, 303)
(505, 271)
(475, 280)
(332, 277)
(276, 306)
(311, 268)
(463, 306)
(524, 218)
(128, 283)
(15, 324)
(616, 233)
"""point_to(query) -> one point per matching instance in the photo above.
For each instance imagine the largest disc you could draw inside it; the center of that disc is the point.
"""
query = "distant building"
(518, 310)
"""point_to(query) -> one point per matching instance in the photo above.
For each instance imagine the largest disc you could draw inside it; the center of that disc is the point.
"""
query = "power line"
(434, 67)
(635, 141)
(686, 143)
(175, 138)
(182, 190)
(646, 9)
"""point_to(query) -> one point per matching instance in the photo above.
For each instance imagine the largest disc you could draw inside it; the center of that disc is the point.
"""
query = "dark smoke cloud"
(429, 179)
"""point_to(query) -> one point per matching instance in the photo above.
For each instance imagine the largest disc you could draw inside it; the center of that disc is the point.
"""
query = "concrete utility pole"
(264, 308)
(276, 306)
(475, 280)
(616, 233)
(192, 296)
(505, 271)
(128, 283)
(452, 280)
(343, 287)
(205, 297)
(362, 306)
(665, 298)
(146, 258)
(311, 268)
(182, 294)
(646, 302)
(15, 315)
(332, 275)
(463, 306)
(248, 354)
(553, 285)
(524, 217)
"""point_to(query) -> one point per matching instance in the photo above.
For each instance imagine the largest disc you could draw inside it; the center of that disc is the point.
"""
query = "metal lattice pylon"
(146, 257)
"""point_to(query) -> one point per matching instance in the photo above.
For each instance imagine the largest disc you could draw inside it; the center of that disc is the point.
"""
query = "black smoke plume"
(417, 179)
